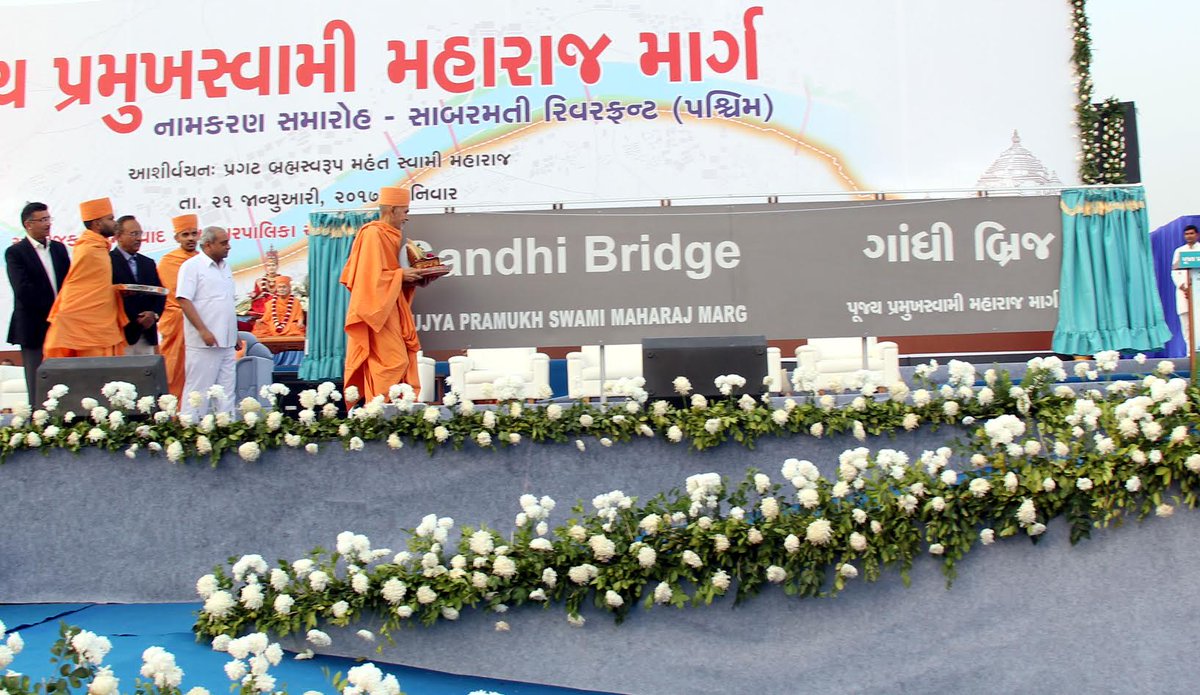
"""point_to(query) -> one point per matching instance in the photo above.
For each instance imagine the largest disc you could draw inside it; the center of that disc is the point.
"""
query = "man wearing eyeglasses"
(132, 268)
(36, 266)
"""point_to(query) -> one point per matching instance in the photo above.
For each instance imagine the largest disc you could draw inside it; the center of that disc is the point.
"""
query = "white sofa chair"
(427, 372)
(472, 374)
(834, 363)
(13, 392)
(774, 370)
(622, 361)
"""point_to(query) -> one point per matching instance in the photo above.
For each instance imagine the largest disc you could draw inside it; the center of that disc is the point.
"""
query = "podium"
(1190, 261)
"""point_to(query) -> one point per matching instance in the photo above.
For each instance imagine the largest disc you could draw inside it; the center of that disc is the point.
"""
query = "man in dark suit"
(132, 268)
(36, 266)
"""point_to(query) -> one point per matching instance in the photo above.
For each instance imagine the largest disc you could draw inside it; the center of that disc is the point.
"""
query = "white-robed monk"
(206, 295)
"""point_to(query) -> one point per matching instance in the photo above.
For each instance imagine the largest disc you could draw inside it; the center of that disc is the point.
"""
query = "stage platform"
(1113, 614)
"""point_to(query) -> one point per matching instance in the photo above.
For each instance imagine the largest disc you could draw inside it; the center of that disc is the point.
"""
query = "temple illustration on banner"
(1017, 167)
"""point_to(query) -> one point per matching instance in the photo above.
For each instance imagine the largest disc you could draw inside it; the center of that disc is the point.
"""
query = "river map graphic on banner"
(255, 114)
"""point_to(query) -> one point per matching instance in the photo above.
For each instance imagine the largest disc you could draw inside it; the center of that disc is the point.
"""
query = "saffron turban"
(394, 196)
(185, 222)
(95, 209)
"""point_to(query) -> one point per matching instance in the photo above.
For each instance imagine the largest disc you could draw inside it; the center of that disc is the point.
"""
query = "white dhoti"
(141, 347)
(205, 367)
(1183, 328)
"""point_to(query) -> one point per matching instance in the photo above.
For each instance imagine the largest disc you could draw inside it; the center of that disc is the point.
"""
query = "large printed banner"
(255, 113)
(785, 271)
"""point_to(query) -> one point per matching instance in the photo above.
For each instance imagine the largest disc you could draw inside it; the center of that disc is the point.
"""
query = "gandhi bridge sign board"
(571, 277)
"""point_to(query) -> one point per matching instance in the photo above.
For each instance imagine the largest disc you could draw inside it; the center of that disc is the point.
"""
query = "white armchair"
(473, 374)
(623, 361)
(427, 371)
(774, 370)
(836, 362)
(13, 391)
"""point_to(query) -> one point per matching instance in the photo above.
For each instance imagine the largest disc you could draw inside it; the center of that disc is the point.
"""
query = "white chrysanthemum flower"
(809, 498)
(858, 541)
(318, 638)
(720, 580)
(283, 604)
(1164, 510)
(646, 556)
(819, 532)
(249, 451)
(937, 549)
(603, 549)
(663, 593)
(691, 559)
(979, 487)
(481, 543)
(504, 567)
(15, 643)
(1027, 512)
(219, 603)
(582, 574)
(1083, 484)
(252, 596)
(776, 574)
(770, 508)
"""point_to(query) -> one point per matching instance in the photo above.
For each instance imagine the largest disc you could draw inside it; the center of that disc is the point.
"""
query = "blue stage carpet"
(133, 628)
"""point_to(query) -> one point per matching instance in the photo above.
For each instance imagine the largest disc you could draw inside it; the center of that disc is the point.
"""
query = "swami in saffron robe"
(381, 337)
(281, 316)
(88, 318)
(170, 324)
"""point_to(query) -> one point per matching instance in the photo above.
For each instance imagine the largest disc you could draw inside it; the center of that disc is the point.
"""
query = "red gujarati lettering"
(16, 74)
(460, 62)
(131, 112)
(74, 91)
(653, 58)
(173, 69)
(110, 77)
(587, 56)
(401, 64)
(513, 64)
(308, 70)
(457, 68)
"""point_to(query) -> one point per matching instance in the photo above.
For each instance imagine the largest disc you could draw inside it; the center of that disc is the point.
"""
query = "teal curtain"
(1108, 299)
(331, 234)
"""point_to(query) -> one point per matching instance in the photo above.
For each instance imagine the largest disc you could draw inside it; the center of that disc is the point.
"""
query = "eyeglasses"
(39, 220)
